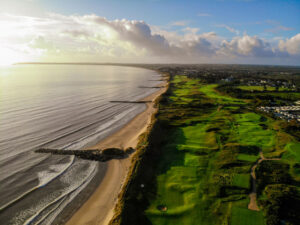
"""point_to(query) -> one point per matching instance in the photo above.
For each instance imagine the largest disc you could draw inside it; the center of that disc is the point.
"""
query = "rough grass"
(279, 97)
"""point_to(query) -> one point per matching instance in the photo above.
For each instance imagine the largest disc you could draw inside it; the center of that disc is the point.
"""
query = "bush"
(272, 172)
(282, 204)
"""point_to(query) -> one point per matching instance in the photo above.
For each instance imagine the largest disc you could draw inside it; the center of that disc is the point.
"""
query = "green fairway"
(241, 180)
(292, 156)
(180, 188)
(242, 216)
(209, 91)
(246, 157)
(293, 152)
(250, 132)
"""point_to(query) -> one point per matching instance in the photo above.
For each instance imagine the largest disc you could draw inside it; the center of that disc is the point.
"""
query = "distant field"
(261, 88)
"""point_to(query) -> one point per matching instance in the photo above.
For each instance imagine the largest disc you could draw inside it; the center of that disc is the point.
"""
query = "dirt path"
(253, 203)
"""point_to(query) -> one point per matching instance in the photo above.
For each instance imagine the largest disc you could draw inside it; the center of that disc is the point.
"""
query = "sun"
(9, 56)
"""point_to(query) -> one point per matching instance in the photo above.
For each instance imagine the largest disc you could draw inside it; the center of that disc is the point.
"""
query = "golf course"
(199, 170)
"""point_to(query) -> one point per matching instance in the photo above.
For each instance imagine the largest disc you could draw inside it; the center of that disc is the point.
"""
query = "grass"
(251, 132)
(242, 216)
(203, 161)
(241, 180)
(292, 156)
(187, 170)
(293, 152)
(247, 157)
(210, 92)
(261, 88)
(181, 185)
(279, 98)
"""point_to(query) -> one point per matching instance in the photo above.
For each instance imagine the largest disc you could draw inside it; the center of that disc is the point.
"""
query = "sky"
(150, 31)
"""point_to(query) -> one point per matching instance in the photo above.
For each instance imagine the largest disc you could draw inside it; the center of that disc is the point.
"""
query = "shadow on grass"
(159, 157)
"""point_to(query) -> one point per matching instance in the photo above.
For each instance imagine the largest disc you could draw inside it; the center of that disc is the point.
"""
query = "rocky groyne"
(97, 155)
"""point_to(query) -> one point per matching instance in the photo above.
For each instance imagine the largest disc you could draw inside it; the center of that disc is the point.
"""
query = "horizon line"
(116, 63)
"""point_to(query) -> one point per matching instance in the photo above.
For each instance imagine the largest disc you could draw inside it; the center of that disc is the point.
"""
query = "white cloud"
(230, 29)
(276, 27)
(94, 38)
(180, 23)
(291, 45)
(247, 46)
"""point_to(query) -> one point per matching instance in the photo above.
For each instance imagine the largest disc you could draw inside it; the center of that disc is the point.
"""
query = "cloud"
(230, 29)
(180, 23)
(93, 38)
(292, 45)
(276, 27)
(247, 46)
(192, 30)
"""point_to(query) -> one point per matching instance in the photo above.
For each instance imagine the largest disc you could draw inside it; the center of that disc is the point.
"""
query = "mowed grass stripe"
(242, 216)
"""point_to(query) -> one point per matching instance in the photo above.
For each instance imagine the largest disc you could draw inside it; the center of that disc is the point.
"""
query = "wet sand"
(99, 208)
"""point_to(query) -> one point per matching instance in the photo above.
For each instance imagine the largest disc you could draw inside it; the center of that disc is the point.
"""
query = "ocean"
(59, 106)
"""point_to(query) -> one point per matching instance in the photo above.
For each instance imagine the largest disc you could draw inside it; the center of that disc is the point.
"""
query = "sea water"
(58, 106)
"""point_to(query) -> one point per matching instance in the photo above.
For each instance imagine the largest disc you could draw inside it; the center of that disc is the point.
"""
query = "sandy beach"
(99, 208)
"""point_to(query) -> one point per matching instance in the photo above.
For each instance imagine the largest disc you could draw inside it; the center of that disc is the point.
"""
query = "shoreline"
(99, 207)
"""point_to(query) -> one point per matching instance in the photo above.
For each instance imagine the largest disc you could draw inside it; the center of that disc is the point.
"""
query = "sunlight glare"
(9, 57)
